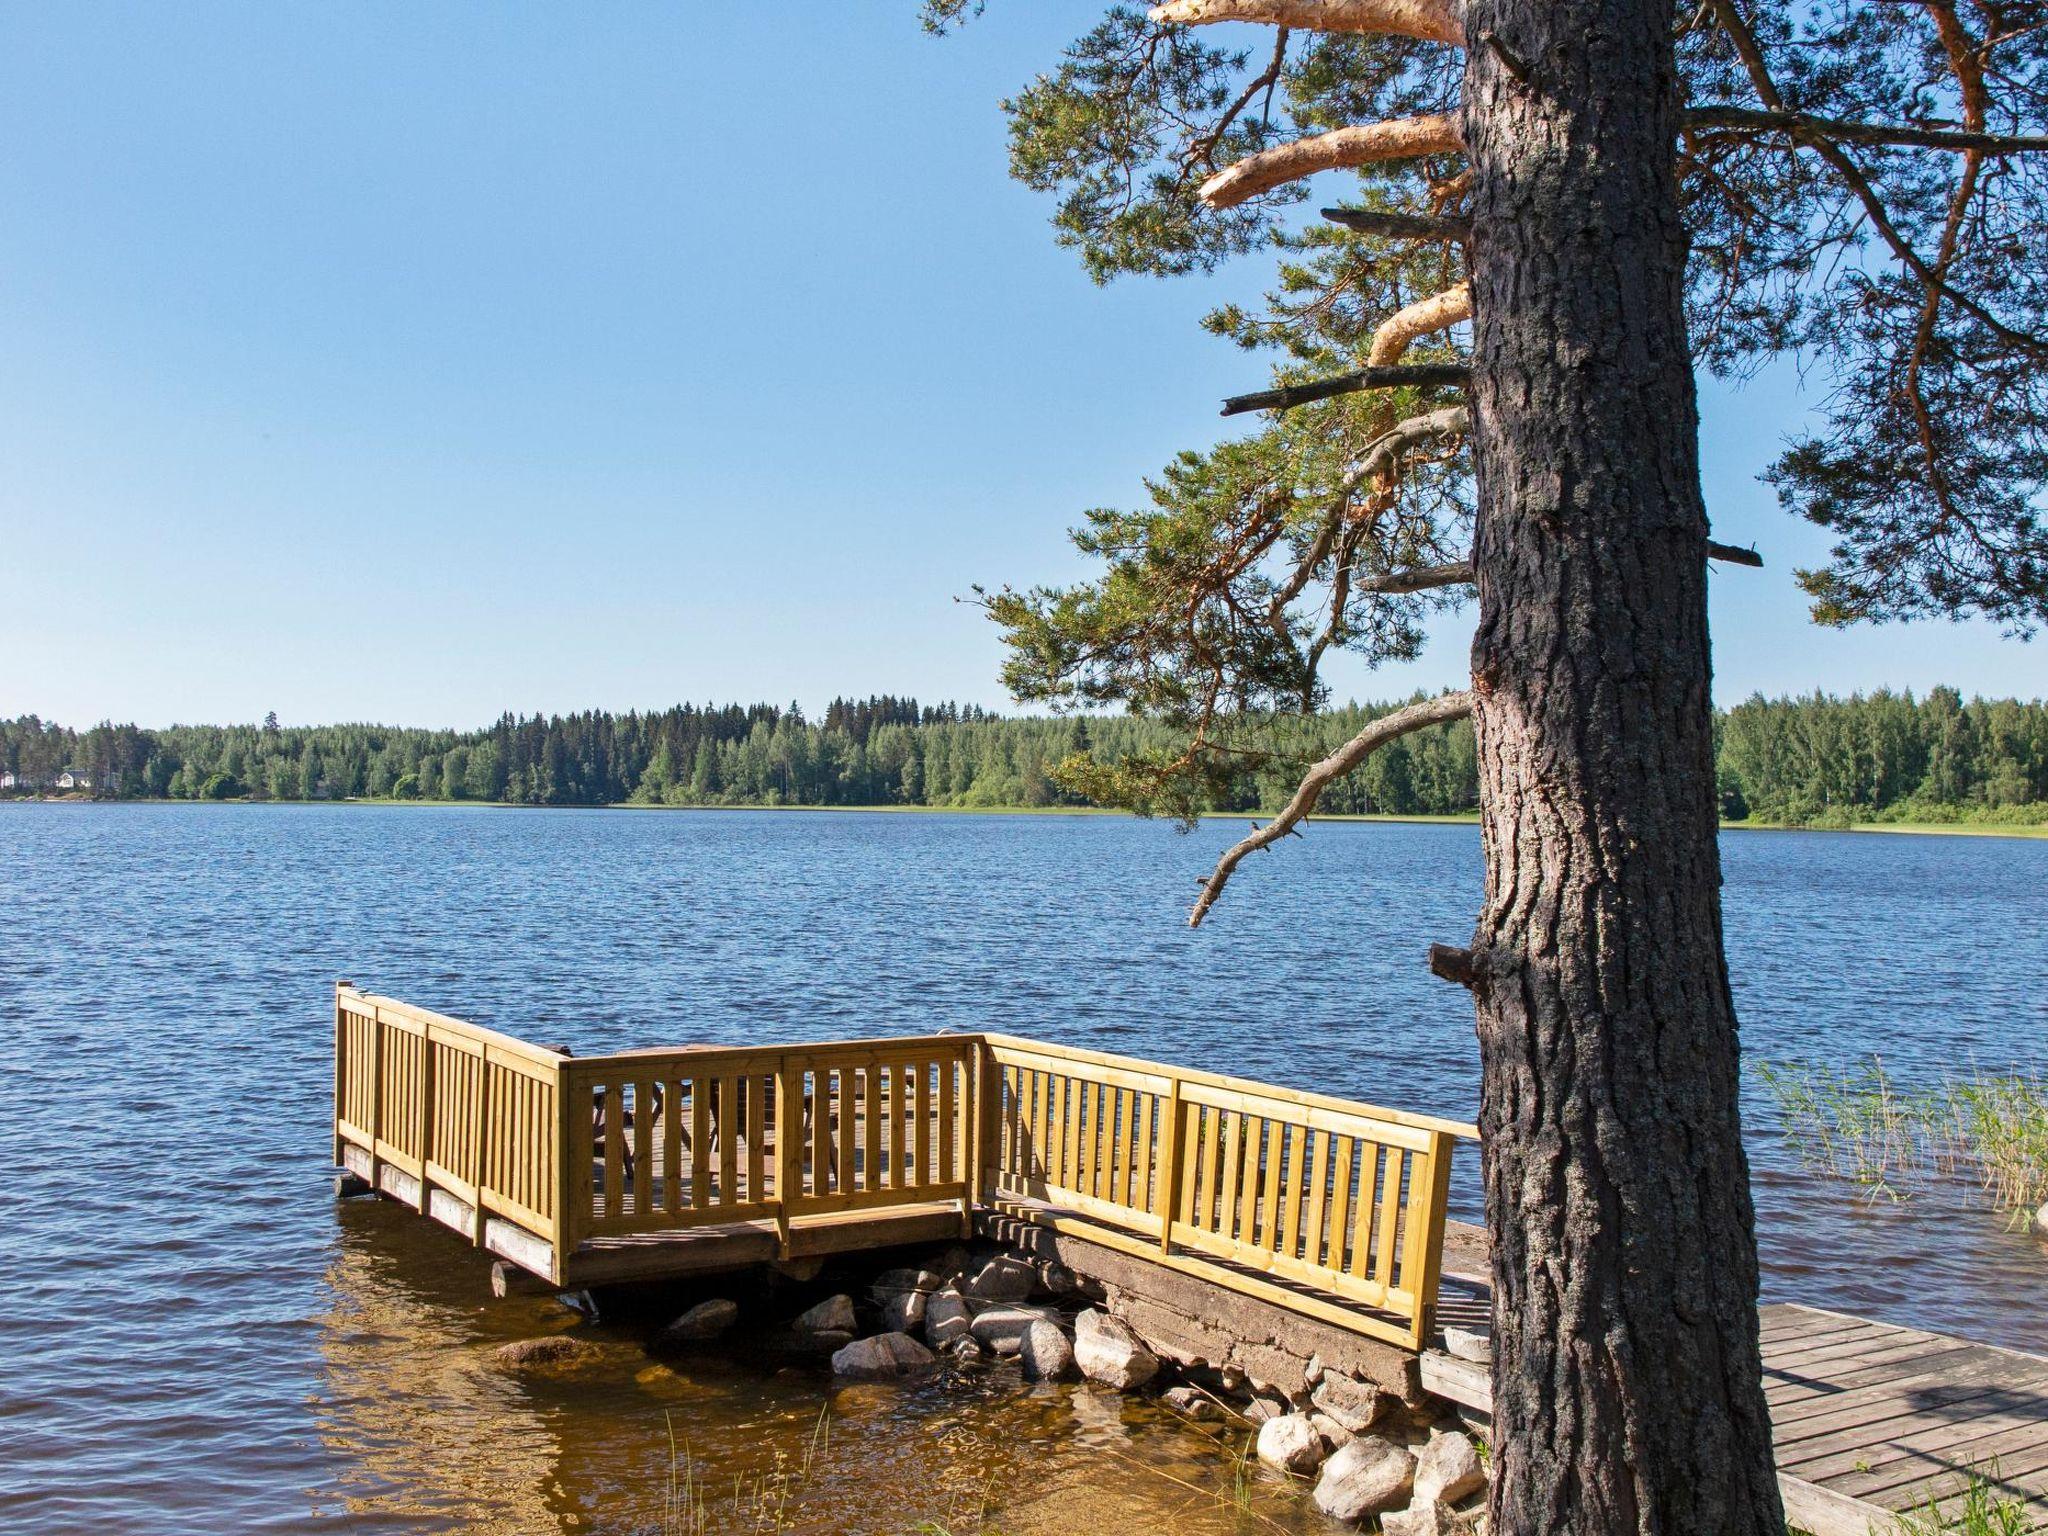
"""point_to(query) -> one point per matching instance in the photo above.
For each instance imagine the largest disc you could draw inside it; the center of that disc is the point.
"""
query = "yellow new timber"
(647, 1164)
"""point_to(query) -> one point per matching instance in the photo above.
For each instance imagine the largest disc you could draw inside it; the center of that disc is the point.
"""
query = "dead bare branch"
(1405, 138)
(1402, 722)
(1400, 226)
(1809, 129)
(1425, 317)
(1433, 21)
(1402, 376)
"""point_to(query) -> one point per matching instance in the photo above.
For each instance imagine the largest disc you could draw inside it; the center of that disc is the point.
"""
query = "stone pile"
(1365, 1456)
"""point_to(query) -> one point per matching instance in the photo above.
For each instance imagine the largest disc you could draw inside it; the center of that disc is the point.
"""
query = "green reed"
(1859, 1124)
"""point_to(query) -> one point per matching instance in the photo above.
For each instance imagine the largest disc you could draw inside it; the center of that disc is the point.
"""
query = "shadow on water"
(434, 1435)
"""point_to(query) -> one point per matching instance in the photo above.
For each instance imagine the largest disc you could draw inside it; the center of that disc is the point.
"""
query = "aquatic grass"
(764, 1502)
(1849, 1124)
(1858, 1124)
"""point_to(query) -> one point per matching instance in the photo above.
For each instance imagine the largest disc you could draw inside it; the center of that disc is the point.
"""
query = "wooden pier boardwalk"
(1871, 1420)
(653, 1164)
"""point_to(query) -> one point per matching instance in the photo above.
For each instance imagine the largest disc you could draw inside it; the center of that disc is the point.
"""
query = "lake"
(197, 1337)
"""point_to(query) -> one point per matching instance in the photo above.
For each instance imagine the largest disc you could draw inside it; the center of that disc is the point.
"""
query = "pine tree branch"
(1433, 21)
(1425, 317)
(1402, 722)
(1810, 129)
(1402, 376)
(1405, 138)
(1400, 226)
(1424, 578)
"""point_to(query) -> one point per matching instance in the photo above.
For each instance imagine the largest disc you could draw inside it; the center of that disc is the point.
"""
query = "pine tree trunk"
(1627, 1387)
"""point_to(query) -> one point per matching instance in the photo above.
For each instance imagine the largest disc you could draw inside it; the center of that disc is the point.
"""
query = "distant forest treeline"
(1815, 760)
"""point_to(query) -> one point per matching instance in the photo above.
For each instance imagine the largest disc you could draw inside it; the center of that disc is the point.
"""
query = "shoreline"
(2023, 830)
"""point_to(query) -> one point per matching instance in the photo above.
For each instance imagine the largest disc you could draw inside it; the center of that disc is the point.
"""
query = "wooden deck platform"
(1872, 1420)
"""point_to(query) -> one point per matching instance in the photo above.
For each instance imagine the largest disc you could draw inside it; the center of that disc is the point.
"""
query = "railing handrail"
(448, 1023)
(1463, 1129)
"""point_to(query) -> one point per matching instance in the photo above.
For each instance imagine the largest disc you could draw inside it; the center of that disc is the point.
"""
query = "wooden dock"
(1871, 1420)
(651, 1164)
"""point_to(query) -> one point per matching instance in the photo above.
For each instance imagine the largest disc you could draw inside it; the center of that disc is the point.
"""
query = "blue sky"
(412, 363)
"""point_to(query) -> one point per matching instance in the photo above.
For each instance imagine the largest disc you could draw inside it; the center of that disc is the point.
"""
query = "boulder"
(891, 1282)
(1467, 1345)
(1194, 1404)
(1448, 1468)
(884, 1355)
(1333, 1433)
(1425, 1517)
(904, 1311)
(1365, 1478)
(1002, 1329)
(1263, 1410)
(1290, 1443)
(1107, 1351)
(1057, 1279)
(1002, 1278)
(966, 1349)
(832, 1315)
(946, 1318)
(1045, 1353)
(548, 1353)
(706, 1320)
(1355, 1405)
(2041, 1219)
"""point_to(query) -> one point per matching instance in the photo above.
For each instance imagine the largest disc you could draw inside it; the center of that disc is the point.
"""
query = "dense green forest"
(1816, 760)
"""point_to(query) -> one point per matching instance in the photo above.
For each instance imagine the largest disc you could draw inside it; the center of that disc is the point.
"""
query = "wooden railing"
(1291, 1196)
(452, 1106)
(1322, 1205)
(713, 1149)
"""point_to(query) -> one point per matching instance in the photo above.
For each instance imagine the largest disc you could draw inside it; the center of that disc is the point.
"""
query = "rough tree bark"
(1627, 1383)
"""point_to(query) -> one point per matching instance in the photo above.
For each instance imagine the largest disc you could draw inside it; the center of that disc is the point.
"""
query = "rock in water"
(1448, 1468)
(1355, 1405)
(1107, 1351)
(1045, 1352)
(1365, 1478)
(1002, 1278)
(946, 1318)
(832, 1315)
(884, 1355)
(904, 1311)
(1290, 1444)
(1002, 1328)
(556, 1349)
(706, 1320)
(1195, 1404)
(1422, 1518)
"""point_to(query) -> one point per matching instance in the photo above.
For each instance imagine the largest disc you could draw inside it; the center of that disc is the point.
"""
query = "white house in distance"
(7, 780)
(74, 778)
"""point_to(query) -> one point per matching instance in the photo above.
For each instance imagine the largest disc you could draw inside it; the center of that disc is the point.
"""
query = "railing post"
(1168, 1182)
(567, 1181)
(424, 1122)
(340, 1066)
(376, 1126)
(789, 1146)
(480, 1128)
(1423, 1258)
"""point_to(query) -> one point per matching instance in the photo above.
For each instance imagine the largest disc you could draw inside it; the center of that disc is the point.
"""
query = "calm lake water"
(196, 1337)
